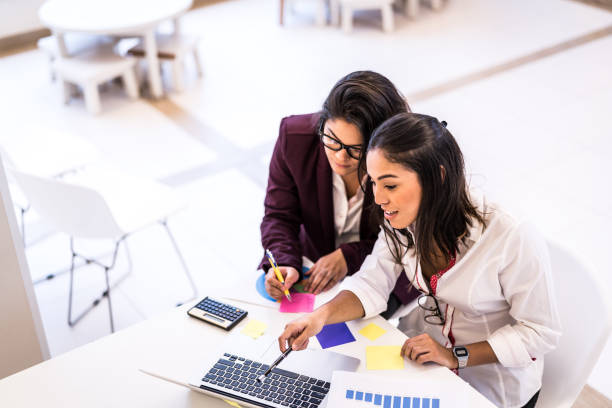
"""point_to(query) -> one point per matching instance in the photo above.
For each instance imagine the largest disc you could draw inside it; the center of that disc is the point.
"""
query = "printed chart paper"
(356, 390)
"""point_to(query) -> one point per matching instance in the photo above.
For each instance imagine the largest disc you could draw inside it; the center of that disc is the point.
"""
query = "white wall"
(19, 16)
(22, 339)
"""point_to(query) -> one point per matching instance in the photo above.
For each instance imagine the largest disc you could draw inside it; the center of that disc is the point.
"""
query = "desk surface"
(109, 16)
(106, 373)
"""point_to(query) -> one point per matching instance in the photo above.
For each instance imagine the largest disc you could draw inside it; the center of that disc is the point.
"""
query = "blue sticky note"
(349, 394)
(377, 399)
(334, 335)
(368, 397)
(359, 396)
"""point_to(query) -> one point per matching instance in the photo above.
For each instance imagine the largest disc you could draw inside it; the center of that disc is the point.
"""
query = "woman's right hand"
(273, 285)
(298, 332)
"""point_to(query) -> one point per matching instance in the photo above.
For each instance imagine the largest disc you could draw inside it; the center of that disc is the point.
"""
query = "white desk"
(114, 17)
(106, 373)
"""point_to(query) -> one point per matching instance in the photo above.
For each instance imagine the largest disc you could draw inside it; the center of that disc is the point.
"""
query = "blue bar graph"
(392, 401)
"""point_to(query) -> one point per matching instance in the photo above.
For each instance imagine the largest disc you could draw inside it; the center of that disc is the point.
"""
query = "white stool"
(347, 7)
(75, 43)
(321, 18)
(88, 70)
(174, 48)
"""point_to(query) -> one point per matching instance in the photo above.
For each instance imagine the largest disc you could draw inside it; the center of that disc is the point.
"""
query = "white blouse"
(347, 212)
(499, 290)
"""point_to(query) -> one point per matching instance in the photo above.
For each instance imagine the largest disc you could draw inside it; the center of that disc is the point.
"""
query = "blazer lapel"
(326, 203)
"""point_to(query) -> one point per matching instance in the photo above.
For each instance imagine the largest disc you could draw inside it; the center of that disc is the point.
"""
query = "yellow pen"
(279, 276)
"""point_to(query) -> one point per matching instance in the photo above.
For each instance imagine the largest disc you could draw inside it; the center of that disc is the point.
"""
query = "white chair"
(76, 43)
(93, 68)
(586, 320)
(320, 16)
(175, 48)
(101, 203)
(347, 7)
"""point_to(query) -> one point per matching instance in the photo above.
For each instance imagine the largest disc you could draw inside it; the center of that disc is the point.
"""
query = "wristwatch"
(462, 355)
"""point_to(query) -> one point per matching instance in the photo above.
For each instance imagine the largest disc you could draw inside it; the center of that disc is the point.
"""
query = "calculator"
(218, 313)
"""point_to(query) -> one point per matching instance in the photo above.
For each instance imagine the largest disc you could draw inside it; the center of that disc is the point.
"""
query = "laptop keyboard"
(281, 387)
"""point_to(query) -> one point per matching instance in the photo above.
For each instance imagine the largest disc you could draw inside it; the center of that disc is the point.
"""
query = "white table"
(106, 373)
(114, 17)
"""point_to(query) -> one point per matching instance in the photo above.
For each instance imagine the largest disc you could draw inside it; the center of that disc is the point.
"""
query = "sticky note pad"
(372, 331)
(334, 335)
(254, 328)
(384, 358)
(302, 302)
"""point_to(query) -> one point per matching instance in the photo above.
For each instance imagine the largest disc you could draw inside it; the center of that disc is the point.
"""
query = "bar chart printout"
(392, 401)
(350, 390)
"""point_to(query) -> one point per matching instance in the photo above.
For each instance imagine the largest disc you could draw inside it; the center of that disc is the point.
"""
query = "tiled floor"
(536, 137)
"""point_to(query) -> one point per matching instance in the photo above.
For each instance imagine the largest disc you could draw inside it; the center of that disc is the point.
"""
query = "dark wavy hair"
(365, 99)
(422, 144)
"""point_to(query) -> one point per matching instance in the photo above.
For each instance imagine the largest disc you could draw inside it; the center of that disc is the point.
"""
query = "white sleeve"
(376, 278)
(527, 285)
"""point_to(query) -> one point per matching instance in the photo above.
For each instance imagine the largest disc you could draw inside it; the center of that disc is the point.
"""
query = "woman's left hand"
(326, 272)
(423, 348)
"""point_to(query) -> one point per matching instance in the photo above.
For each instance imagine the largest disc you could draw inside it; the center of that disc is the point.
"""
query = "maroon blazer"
(299, 207)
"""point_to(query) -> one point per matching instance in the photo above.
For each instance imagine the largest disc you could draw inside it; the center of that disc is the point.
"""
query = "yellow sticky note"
(384, 358)
(232, 403)
(372, 331)
(254, 328)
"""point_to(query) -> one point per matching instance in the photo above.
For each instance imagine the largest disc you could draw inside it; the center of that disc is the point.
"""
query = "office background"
(525, 87)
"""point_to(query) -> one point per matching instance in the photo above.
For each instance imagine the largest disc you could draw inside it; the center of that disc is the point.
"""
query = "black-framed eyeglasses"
(334, 144)
(430, 304)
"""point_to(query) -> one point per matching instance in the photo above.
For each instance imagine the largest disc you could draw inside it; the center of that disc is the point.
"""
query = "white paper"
(390, 392)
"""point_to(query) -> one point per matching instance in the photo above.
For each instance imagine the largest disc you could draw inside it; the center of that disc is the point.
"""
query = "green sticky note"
(384, 358)
(372, 331)
(254, 328)
(299, 287)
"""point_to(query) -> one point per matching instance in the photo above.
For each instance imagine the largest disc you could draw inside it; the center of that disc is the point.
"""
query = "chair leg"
(347, 18)
(108, 298)
(411, 9)
(183, 263)
(130, 83)
(66, 91)
(387, 18)
(197, 61)
(177, 73)
(106, 293)
(92, 98)
(320, 19)
(435, 4)
(334, 11)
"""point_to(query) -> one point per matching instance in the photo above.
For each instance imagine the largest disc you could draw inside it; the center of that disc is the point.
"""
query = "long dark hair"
(423, 144)
(365, 99)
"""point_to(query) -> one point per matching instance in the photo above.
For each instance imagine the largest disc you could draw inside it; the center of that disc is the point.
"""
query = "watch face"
(461, 352)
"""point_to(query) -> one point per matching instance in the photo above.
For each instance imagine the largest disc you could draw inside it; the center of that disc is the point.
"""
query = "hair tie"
(443, 123)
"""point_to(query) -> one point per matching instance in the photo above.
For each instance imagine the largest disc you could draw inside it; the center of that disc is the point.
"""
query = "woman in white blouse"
(487, 307)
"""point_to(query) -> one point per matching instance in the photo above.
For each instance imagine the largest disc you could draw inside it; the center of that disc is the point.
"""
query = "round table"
(114, 17)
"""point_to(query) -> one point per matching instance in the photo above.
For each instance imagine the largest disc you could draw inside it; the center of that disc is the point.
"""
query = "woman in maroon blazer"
(315, 204)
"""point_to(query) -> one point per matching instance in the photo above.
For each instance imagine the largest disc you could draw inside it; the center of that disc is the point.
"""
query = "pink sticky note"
(302, 302)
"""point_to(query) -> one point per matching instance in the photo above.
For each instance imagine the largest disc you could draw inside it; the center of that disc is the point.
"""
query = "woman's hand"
(273, 285)
(423, 348)
(326, 272)
(298, 332)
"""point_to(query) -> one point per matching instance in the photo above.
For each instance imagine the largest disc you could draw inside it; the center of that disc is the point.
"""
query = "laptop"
(302, 379)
